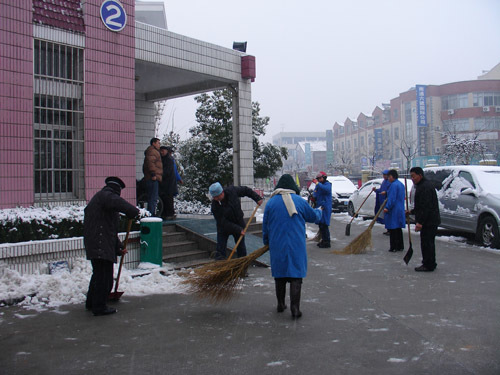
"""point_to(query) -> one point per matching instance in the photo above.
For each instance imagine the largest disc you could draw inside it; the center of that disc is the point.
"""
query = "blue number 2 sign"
(113, 15)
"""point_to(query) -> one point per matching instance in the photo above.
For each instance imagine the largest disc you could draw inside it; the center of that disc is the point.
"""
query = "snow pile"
(184, 207)
(43, 291)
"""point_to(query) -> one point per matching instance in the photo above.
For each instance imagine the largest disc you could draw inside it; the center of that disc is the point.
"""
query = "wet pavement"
(362, 314)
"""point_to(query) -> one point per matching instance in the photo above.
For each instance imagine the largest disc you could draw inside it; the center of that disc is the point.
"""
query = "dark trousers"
(428, 246)
(152, 190)
(101, 284)
(325, 232)
(396, 239)
(222, 245)
(168, 204)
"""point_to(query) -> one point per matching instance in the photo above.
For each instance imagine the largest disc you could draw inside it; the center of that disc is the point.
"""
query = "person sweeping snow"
(283, 229)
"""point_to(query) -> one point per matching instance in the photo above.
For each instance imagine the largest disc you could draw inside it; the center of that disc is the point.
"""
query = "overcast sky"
(323, 61)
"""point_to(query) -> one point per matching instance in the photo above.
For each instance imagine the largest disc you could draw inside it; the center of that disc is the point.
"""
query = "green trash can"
(151, 240)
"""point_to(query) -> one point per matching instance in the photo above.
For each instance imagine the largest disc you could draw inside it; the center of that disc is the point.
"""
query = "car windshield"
(489, 180)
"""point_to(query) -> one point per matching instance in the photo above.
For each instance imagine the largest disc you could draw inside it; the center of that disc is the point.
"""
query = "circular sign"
(113, 15)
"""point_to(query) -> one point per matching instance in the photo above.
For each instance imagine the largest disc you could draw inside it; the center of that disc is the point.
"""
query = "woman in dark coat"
(102, 245)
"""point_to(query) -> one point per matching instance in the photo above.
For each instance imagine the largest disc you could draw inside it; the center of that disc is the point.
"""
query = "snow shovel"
(115, 296)
(409, 253)
(348, 227)
(244, 230)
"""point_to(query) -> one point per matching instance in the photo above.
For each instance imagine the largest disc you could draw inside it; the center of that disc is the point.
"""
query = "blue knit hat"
(215, 189)
(385, 171)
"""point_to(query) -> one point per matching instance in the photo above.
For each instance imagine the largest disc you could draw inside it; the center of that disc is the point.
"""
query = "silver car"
(368, 208)
(469, 200)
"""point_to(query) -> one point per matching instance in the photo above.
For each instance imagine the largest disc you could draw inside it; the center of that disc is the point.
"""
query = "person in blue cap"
(226, 208)
(381, 195)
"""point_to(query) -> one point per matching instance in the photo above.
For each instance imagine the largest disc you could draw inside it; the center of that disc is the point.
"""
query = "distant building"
(290, 140)
(419, 122)
(311, 156)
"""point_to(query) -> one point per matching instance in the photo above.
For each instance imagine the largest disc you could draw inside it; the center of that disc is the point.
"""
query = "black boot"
(280, 293)
(295, 286)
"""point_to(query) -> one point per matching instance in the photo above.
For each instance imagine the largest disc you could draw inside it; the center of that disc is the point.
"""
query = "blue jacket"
(286, 236)
(323, 195)
(395, 218)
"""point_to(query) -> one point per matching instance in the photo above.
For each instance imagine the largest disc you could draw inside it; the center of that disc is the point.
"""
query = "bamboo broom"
(218, 281)
(362, 241)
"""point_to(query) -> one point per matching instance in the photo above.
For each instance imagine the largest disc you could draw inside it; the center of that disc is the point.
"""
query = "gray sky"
(321, 61)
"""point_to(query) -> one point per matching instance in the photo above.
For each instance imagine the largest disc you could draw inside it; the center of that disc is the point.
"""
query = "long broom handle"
(378, 214)
(407, 217)
(129, 226)
(244, 230)
(356, 214)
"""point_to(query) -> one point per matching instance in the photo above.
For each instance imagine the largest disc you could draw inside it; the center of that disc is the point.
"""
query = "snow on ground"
(43, 291)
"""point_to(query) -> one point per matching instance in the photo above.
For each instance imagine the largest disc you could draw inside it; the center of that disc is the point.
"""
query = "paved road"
(363, 314)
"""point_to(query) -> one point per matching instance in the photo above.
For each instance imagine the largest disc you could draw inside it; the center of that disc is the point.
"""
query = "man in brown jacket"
(153, 171)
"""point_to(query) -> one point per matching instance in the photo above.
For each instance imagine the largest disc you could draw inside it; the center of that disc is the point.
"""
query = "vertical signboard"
(421, 107)
(378, 145)
(308, 153)
(329, 147)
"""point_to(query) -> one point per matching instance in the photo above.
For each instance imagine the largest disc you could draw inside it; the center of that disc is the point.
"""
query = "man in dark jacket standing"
(168, 185)
(427, 218)
(226, 208)
(102, 245)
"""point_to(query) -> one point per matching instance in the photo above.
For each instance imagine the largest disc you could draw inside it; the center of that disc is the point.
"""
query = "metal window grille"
(58, 122)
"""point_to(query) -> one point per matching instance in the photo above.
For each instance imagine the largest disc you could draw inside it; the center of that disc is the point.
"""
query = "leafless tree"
(159, 108)
(409, 150)
(343, 162)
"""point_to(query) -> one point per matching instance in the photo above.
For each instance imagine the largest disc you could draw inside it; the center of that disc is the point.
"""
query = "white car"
(368, 208)
(342, 189)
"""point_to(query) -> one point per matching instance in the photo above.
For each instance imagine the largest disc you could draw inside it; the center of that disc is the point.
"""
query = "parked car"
(368, 208)
(342, 189)
(469, 200)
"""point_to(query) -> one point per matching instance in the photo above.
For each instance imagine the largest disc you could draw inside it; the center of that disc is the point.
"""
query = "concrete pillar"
(242, 141)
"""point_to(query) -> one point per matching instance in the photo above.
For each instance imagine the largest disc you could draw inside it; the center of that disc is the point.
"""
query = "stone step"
(186, 256)
(173, 237)
(255, 227)
(191, 263)
(179, 246)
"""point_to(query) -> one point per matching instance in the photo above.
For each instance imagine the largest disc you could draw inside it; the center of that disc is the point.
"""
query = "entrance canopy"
(169, 65)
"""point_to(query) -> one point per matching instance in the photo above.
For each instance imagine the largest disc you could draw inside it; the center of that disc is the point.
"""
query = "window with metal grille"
(58, 122)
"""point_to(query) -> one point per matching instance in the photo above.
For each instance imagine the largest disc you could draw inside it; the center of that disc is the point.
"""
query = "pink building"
(78, 83)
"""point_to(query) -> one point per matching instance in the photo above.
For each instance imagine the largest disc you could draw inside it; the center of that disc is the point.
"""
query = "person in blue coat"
(381, 194)
(323, 196)
(394, 210)
(283, 229)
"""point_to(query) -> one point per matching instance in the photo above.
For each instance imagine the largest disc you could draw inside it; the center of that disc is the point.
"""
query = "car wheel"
(487, 233)
(350, 209)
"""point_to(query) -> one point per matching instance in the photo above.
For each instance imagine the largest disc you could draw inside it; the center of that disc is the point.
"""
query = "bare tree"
(461, 150)
(462, 146)
(343, 162)
(409, 150)
(159, 108)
